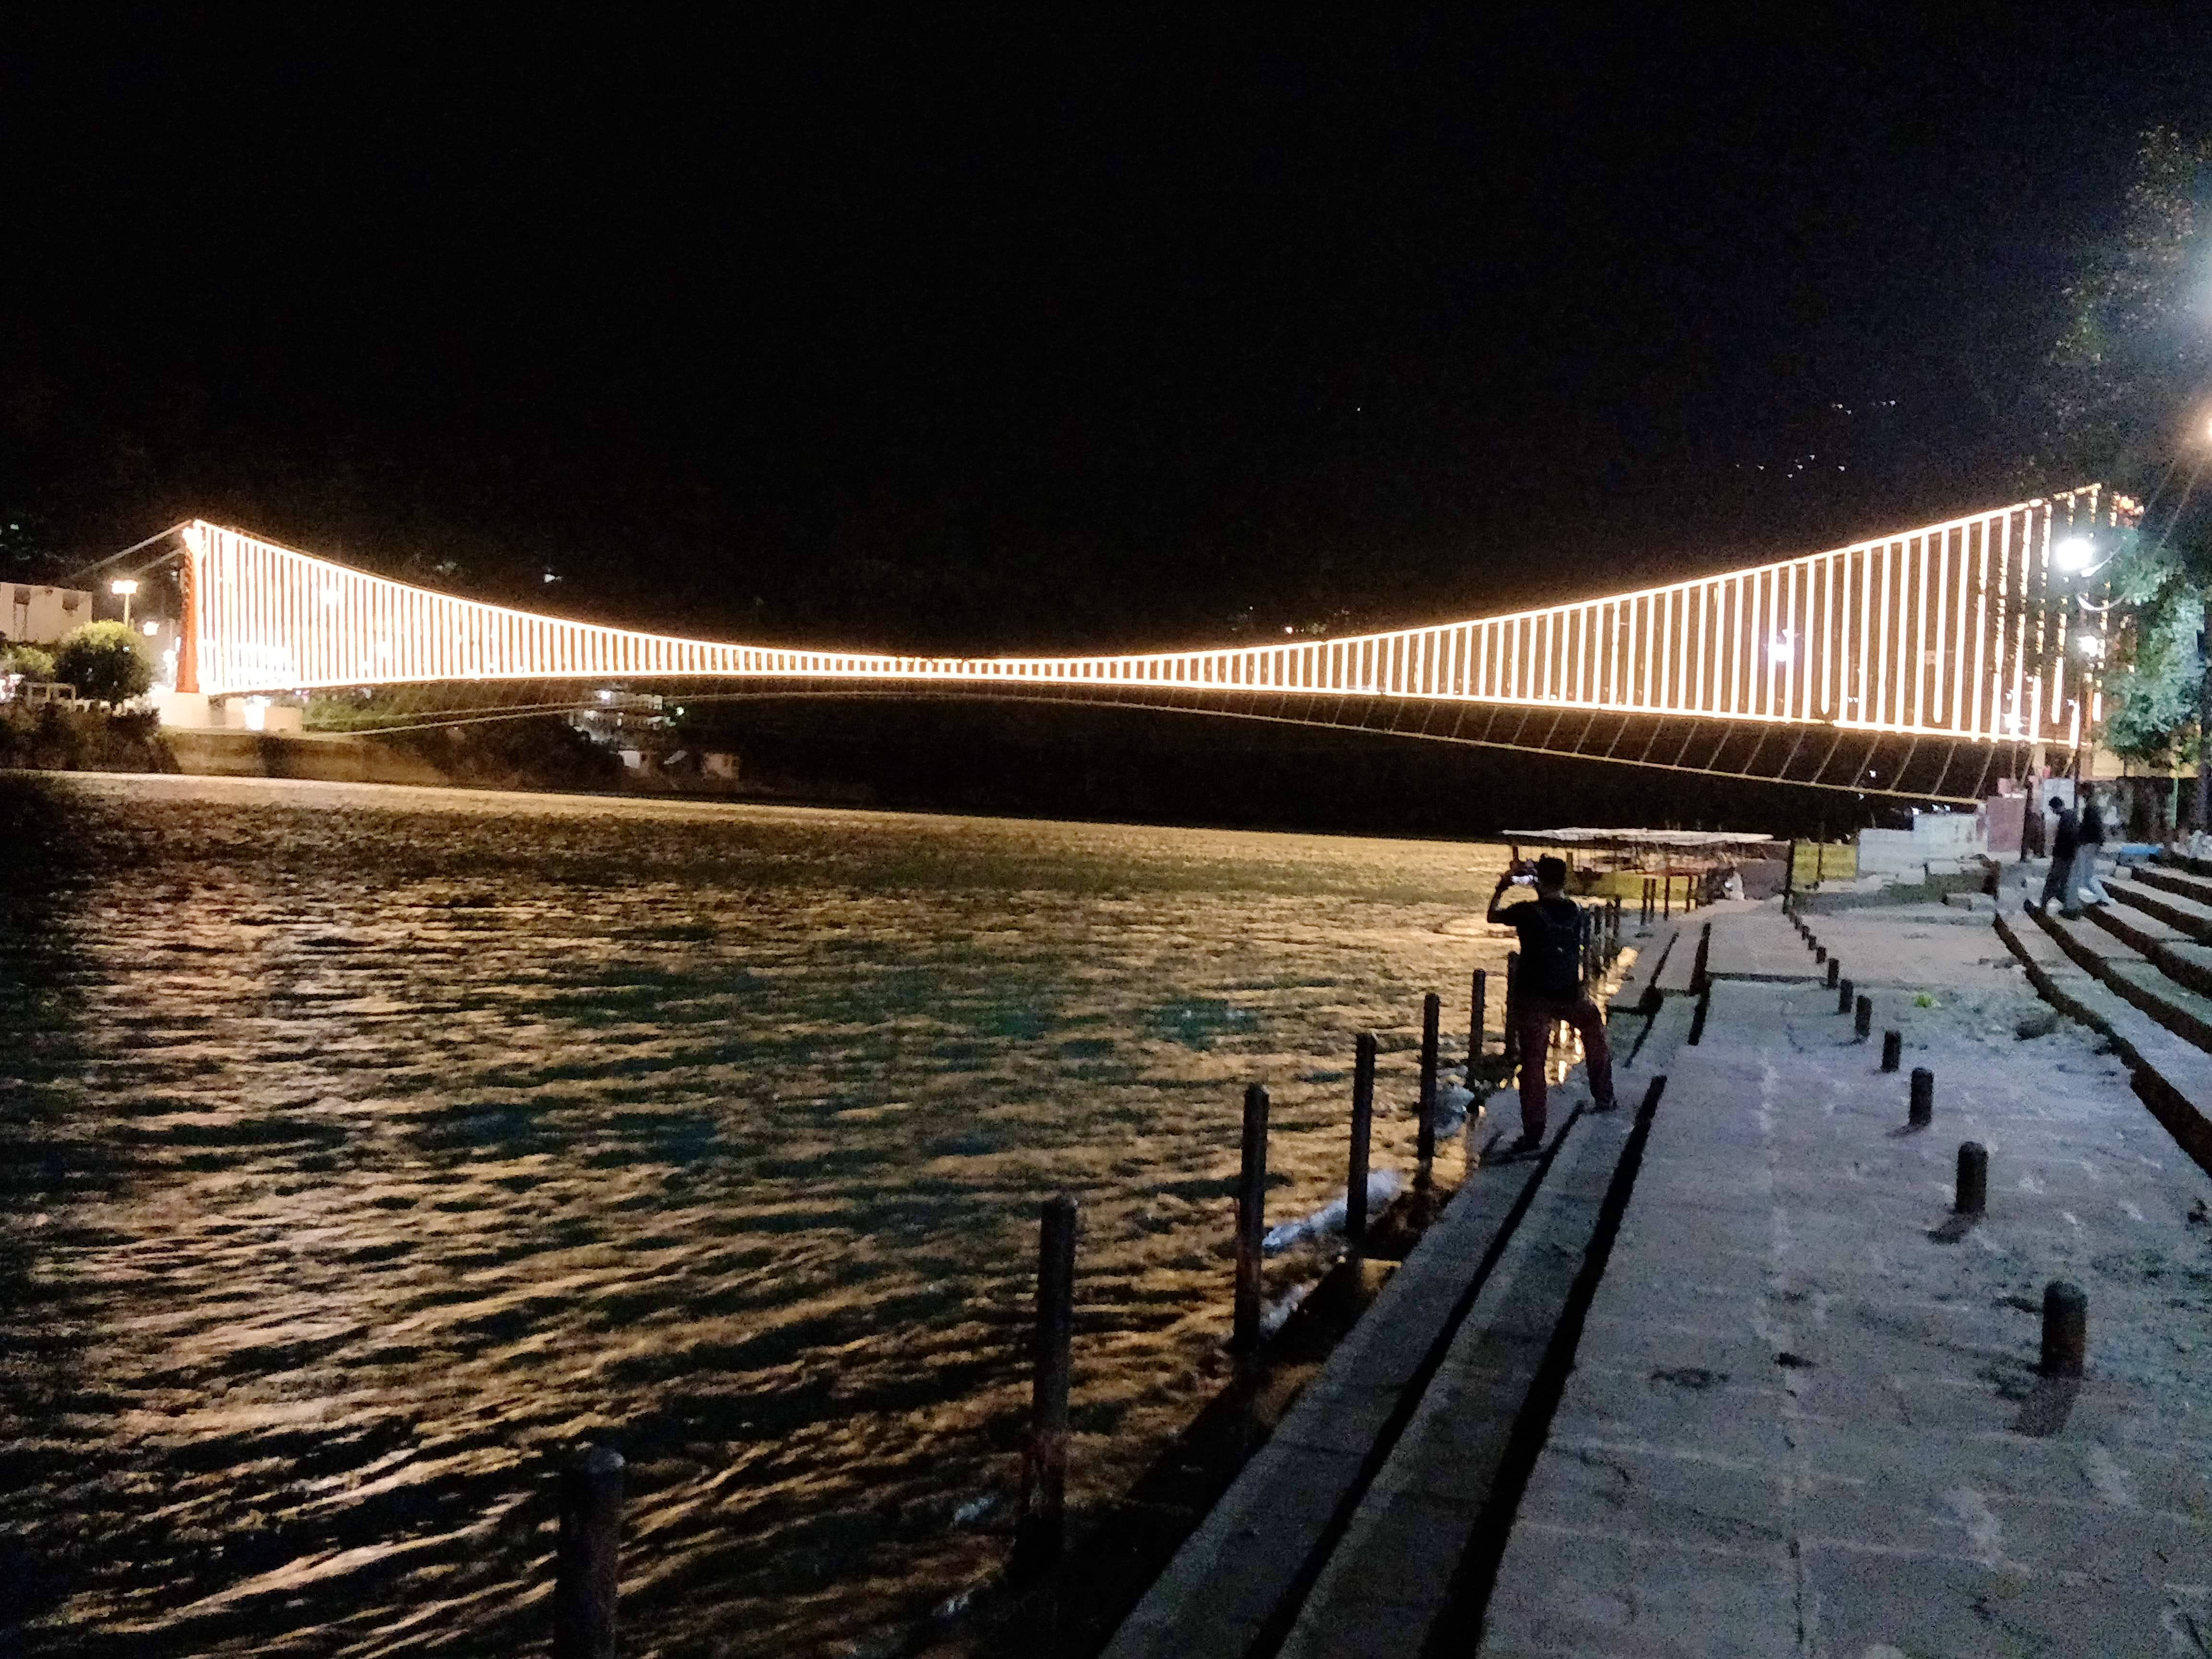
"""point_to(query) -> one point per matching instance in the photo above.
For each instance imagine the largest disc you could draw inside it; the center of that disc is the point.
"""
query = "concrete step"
(1675, 978)
(1435, 1372)
(2182, 883)
(1761, 944)
(2174, 860)
(2181, 912)
(2172, 1075)
(1638, 990)
(2177, 955)
(1393, 1566)
(2185, 1012)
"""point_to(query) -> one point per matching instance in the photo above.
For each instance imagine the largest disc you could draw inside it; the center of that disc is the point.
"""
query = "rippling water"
(366, 1146)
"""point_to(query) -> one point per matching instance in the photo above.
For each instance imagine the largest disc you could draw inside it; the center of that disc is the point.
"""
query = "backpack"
(1552, 953)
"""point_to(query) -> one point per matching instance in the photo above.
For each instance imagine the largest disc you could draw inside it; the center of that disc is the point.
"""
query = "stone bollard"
(1892, 1050)
(1251, 1220)
(1971, 1194)
(1820, 953)
(2065, 1328)
(1835, 969)
(1924, 1096)
(587, 1578)
(1040, 1526)
(1863, 1018)
(1843, 991)
(1424, 1145)
(1363, 1128)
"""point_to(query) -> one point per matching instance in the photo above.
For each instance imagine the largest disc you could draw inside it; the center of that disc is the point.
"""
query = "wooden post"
(1666, 892)
(1040, 1526)
(1972, 1193)
(1478, 1022)
(587, 1579)
(1363, 1127)
(1251, 1220)
(1426, 1144)
(2066, 1326)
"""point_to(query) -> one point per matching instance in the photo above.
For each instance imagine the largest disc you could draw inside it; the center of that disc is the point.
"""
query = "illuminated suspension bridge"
(1923, 664)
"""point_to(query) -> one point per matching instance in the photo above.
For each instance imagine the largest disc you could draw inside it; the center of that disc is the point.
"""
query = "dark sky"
(971, 331)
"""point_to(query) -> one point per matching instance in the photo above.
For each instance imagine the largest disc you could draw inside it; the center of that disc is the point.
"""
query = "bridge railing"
(1955, 628)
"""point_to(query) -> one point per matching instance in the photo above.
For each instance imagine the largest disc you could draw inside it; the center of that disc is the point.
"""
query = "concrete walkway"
(1771, 1398)
(1805, 1415)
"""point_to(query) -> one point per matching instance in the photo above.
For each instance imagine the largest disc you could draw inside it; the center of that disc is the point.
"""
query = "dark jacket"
(1550, 931)
(2066, 841)
(2093, 826)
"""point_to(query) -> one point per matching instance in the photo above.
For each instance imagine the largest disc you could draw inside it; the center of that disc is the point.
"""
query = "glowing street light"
(123, 588)
(2074, 554)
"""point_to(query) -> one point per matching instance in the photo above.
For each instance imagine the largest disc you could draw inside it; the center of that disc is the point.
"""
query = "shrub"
(102, 661)
(28, 661)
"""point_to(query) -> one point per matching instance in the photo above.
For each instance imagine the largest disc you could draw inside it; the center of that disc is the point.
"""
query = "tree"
(2126, 395)
(102, 661)
(2151, 681)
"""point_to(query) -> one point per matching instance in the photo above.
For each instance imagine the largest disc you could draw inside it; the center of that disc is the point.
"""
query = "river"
(366, 1146)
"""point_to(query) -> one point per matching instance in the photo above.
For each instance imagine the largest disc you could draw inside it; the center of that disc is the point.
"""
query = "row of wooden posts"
(1040, 1527)
(591, 1481)
(1658, 895)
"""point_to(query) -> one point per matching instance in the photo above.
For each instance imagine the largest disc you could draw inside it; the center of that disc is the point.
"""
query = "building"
(42, 616)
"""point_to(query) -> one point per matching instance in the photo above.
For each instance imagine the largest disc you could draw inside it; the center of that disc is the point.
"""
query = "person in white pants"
(2090, 842)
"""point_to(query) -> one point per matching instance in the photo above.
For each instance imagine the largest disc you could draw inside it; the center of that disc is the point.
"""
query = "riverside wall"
(322, 757)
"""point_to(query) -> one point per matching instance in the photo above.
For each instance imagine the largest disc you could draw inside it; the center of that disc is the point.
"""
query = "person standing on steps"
(2065, 845)
(2091, 842)
(1548, 988)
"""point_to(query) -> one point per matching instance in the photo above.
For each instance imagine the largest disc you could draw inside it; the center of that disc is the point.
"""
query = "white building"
(42, 616)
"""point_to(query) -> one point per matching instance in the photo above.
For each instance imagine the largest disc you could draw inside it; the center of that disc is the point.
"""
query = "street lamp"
(2081, 555)
(124, 586)
(2074, 555)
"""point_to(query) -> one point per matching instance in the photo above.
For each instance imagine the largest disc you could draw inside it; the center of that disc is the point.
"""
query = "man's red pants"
(1534, 1018)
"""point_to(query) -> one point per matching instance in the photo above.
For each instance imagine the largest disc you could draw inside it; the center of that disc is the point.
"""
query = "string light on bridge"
(1961, 631)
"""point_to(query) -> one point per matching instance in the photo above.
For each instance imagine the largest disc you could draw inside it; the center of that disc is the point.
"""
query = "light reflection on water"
(366, 1145)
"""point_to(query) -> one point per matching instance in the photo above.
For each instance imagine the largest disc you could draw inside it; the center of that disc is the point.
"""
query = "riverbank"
(540, 754)
(1739, 1379)
(61, 737)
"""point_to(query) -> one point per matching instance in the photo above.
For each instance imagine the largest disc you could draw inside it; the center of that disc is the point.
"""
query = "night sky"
(972, 331)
